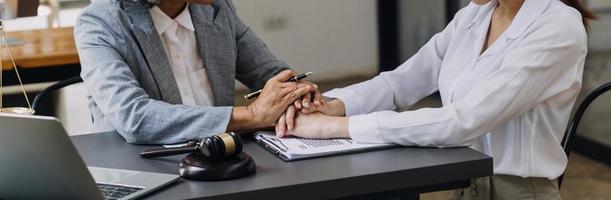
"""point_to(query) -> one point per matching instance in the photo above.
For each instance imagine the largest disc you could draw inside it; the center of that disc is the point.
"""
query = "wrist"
(336, 127)
(337, 107)
(244, 118)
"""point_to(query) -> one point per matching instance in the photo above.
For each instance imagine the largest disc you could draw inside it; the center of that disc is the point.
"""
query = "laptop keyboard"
(111, 192)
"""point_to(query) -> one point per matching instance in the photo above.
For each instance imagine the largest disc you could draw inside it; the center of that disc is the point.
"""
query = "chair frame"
(52, 88)
(569, 135)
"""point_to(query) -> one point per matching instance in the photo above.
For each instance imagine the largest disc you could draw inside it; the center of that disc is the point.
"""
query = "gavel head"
(218, 147)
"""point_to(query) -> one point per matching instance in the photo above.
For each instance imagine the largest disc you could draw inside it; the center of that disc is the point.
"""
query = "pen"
(292, 79)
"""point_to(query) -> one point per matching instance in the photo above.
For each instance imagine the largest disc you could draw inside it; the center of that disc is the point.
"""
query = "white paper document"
(292, 148)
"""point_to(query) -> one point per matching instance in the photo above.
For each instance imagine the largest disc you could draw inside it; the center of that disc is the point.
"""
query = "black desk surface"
(322, 178)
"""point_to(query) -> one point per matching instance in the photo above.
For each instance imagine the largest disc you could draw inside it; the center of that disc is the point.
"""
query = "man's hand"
(274, 99)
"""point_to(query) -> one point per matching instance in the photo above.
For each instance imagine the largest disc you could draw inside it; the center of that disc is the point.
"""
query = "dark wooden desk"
(399, 170)
(44, 55)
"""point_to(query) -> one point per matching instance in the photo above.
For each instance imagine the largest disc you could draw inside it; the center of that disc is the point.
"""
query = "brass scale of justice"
(12, 110)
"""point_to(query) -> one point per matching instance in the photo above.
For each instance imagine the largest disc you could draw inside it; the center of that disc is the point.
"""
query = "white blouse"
(511, 102)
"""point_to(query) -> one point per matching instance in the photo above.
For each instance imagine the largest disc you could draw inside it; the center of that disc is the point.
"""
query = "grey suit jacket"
(142, 102)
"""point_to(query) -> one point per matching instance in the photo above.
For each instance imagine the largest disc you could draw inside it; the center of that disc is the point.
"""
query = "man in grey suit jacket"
(132, 88)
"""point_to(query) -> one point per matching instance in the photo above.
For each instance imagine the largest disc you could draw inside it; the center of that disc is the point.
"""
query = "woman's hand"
(315, 125)
(276, 96)
(287, 120)
(334, 107)
(310, 100)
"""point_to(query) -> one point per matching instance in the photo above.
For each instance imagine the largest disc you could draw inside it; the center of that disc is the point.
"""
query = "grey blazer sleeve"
(256, 63)
(126, 106)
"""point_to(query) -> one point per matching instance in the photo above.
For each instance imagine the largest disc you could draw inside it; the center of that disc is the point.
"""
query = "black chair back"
(569, 135)
(52, 88)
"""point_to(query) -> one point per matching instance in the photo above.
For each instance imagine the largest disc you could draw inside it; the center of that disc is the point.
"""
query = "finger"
(276, 128)
(306, 100)
(291, 97)
(288, 84)
(298, 104)
(274, 85)
(281, 126)
(284, 92)
(290, 118)
(308, 110)
(283, 76)
(318, 99)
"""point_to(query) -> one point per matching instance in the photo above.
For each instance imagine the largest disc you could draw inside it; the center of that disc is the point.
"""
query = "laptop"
(39, 161)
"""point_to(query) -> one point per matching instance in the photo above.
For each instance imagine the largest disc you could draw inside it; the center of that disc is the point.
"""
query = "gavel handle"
(151, 153)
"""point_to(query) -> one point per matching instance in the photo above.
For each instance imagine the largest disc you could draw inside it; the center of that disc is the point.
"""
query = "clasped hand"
(312, 117)
(294, 108)
(276, 96)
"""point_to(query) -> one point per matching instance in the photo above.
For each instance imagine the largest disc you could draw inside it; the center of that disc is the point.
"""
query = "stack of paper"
(293, 148)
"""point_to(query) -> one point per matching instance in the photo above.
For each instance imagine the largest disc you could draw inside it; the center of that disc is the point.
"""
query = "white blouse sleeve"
(544, 65)
(406, 85)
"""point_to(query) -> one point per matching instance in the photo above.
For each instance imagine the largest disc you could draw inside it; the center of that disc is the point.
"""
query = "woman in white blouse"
(508, 72)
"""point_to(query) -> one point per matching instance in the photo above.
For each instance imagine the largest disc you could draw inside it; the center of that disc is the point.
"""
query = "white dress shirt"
(511, 102)
(180, 44)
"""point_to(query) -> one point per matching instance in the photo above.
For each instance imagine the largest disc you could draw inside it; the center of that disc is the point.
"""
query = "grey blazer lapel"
(212, 41)
(152, 48)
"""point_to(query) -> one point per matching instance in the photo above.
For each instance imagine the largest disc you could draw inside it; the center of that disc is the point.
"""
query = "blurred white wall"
(72, 110)
(597, 72)
(600, 29)
(418, 22)
(337, 38)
